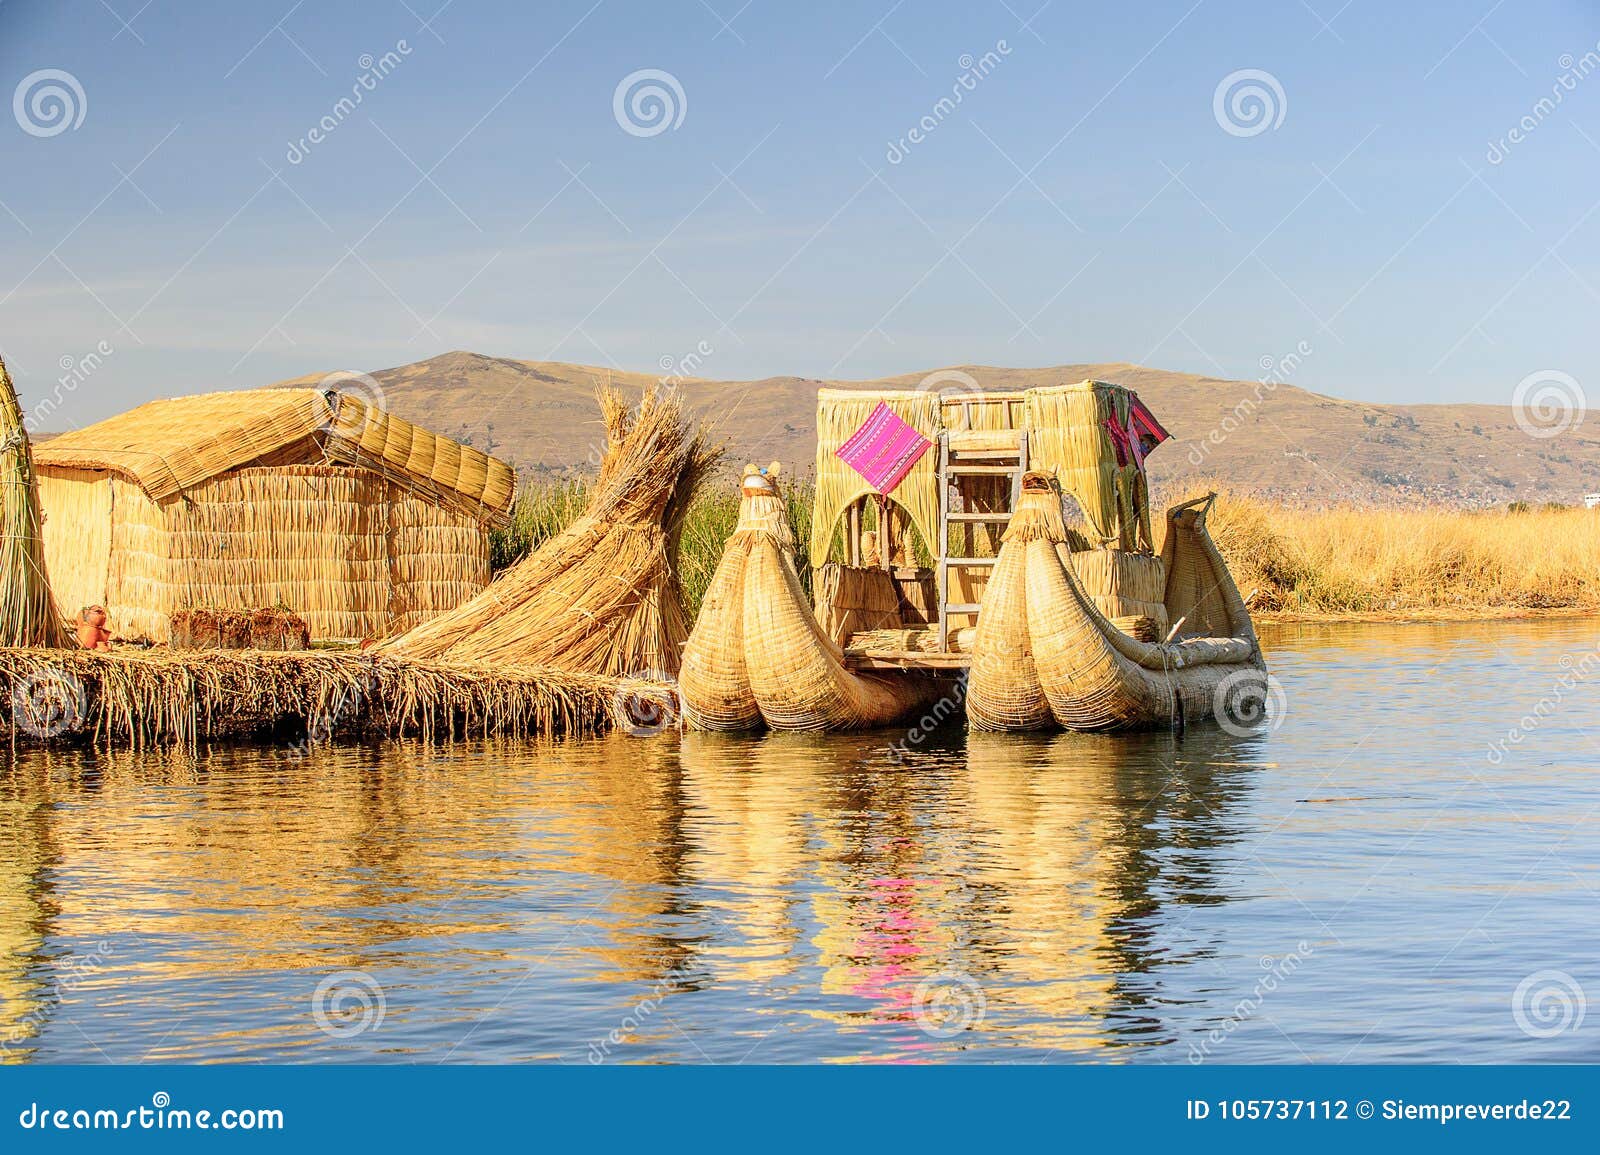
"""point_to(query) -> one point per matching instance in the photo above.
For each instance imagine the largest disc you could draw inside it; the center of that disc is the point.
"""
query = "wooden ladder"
(997, 453)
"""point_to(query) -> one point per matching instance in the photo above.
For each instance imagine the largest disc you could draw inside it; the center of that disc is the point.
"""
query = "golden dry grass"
(1424, 562)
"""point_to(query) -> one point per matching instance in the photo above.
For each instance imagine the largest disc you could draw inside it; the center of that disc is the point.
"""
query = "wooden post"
(941, 579)
(852, 534)
(886, 529)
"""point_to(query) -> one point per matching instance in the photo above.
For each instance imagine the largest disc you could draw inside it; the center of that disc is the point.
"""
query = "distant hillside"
(1281, 441)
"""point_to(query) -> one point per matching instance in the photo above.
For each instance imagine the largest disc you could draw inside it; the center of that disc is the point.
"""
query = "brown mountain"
(1279, 440)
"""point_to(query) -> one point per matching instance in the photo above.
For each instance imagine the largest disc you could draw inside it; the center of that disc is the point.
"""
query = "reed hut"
(311, 500)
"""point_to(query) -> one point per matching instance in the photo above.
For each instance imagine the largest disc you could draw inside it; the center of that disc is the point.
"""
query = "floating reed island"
(576, 638)
(180, 697)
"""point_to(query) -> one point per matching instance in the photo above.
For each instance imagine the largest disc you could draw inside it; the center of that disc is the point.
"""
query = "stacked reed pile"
(259, 629)
(27, 610)
(603, 595)
(160, 697)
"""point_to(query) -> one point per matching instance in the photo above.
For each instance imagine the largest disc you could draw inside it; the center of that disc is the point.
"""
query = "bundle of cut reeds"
(265, 628)
(602, 596)
(28, 614)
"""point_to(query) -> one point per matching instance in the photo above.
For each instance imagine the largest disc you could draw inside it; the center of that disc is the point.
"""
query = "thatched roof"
(169, 446)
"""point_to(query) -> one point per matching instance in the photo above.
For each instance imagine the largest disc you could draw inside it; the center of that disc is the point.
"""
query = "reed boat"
(1045, 652)
(1000, 537)
(758, 656)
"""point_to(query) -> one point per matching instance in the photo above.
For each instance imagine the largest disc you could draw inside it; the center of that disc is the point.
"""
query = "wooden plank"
(969, 562)
(957, 468)
(980, 517)
(997, 441)
(904, 660)
(962, 608)
(885, 534)
(1022, 467)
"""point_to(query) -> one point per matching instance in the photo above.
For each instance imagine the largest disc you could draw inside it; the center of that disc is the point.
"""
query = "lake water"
(1370, 878)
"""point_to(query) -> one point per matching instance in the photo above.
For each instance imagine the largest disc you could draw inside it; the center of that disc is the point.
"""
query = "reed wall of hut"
(363, 525)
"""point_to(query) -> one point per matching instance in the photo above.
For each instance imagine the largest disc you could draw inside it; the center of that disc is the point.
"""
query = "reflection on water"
(1360, 882)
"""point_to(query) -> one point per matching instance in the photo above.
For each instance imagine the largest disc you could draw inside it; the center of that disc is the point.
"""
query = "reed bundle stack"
(263, 629)
(602, 596)
(28, 614)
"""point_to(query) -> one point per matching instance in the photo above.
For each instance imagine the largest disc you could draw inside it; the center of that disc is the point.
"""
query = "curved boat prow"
(1050, 654)
(757, 654)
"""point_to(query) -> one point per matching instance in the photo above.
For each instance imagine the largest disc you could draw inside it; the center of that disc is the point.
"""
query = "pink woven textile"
(884, 449)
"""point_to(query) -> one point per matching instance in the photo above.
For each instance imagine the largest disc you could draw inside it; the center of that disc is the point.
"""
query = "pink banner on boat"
(884, 449)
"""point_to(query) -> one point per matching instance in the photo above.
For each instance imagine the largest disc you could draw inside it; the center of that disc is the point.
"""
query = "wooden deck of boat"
(869, 660)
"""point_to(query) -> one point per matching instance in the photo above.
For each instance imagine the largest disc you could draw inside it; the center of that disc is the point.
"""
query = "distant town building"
(1591, 500)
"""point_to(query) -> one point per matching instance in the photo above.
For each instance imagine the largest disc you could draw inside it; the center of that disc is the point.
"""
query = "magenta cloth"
(1144, 421)
(884, 449)
(1120, 441)
(1129, 442)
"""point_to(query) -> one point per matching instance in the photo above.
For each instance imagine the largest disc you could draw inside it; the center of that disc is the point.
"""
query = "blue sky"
(1084, 201)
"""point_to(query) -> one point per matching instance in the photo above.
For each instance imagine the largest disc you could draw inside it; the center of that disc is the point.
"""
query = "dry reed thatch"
(170, 446)
(758, 653)
(1067, 437)
(159, 697)
(852, 599)
(840, 412)
(602, 596)
(363, 523)
(28, 614)
(354, 553)
(1122, 583)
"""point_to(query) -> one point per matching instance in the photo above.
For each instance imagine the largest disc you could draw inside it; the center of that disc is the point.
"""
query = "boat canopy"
(1091, 436)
